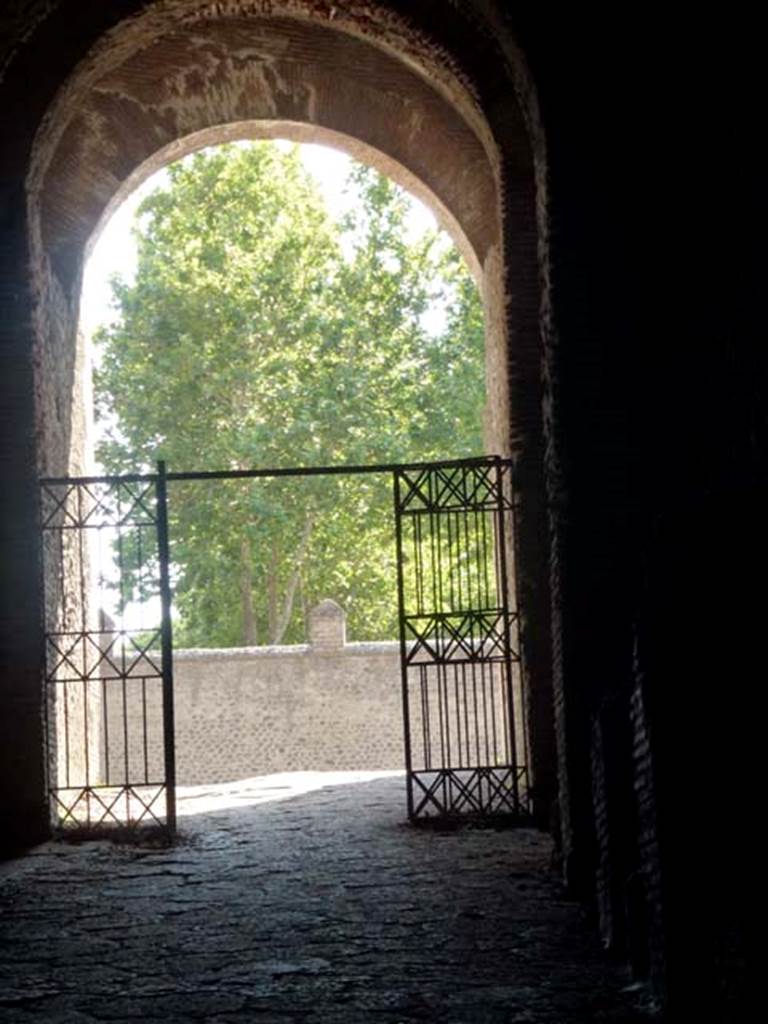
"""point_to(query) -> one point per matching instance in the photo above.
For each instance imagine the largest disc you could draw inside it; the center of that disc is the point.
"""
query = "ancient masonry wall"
(251, 711)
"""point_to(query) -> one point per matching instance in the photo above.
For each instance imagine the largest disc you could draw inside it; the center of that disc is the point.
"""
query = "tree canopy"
(258, 332)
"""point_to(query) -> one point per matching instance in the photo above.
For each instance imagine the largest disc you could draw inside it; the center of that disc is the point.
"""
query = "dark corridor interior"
(623, 255)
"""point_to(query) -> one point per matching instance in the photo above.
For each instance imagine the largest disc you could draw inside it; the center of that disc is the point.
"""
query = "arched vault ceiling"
(260, 76)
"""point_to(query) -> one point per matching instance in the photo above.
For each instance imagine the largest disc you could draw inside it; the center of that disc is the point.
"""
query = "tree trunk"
(272, 596)
(246, 595)
(304, 608)
(290, 593)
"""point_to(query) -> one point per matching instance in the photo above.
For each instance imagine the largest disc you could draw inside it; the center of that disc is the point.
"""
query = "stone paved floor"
(319, 906)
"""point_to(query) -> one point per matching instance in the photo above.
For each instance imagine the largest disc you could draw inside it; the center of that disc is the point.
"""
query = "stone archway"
(209, 79)
(181, 74)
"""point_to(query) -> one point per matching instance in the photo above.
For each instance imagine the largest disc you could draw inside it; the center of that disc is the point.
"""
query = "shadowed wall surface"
(635, 365)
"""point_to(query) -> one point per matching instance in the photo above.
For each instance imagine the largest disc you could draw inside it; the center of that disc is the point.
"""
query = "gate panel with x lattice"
(105, 546)
(458, 625)
(103, 539)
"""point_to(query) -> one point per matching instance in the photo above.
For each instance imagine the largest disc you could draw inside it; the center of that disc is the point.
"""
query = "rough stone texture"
(645, 937)
(73, 708)
(326, 705)
(248, 711)
(620, 892)
(221, 71)
(327, 625)
(320, 907)
(18, 19)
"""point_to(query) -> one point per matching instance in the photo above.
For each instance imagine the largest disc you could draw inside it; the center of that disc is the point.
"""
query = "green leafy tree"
(258, 332)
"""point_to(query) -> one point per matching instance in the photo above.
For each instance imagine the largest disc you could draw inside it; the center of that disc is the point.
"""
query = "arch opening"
(204, 78)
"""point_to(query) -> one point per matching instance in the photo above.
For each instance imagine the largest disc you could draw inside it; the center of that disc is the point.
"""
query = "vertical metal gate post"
(403, 645)
(523, 678)
(501, 541)
(166, 646)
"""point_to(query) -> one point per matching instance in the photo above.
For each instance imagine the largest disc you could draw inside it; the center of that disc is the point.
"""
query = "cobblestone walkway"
(319, 907)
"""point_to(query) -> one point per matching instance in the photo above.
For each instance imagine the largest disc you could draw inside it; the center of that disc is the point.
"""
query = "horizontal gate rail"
(255, 474)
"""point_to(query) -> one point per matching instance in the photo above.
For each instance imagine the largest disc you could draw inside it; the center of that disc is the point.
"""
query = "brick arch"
(179, 75)
(300, 132)
(206, 74)
(445, 101)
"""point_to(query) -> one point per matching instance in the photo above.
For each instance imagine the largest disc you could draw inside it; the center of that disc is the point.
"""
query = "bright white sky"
(115, 251)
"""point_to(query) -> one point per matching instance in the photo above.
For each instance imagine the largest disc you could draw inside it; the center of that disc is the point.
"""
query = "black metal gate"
(109, 688)
(462, 700)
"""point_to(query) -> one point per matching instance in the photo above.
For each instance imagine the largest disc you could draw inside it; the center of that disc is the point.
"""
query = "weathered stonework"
(327, 626)
(252, 711)
(294, 899)
(253, 73)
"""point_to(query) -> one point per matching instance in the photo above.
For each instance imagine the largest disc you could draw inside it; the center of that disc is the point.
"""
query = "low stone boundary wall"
(252, 711)
(327, 705)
